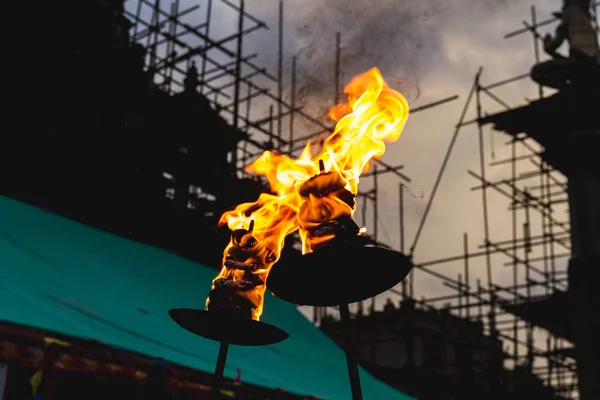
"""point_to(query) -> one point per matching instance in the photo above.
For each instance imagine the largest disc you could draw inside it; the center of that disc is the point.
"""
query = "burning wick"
(317, 203)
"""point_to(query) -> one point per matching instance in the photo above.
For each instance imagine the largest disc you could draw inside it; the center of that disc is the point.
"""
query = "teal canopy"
(62, 276)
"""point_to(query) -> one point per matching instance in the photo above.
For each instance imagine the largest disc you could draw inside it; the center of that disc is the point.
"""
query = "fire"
(314, 194)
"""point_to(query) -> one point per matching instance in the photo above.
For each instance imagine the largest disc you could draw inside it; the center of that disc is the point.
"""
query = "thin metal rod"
(207, 34)
(515, 264)
(524, 30)
(434, 104)
(467, 280)
(375, 203)
(527, 250)
(336, 94)
(138, 12)
(238, 72)
(536, 44)
(219, 369)
(401, 225)
(350, 350)
(484, 191)
(216, 45)
(280, 76)
(460, 295)
(444, 163)
(293, 104)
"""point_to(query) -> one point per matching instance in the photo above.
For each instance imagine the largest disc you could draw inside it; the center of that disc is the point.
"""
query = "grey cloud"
(438, 45)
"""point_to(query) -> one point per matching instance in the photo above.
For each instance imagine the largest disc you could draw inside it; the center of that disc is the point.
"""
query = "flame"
(314, 189)
(266, 223)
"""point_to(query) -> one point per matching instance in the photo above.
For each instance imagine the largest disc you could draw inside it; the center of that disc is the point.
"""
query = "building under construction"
(538, 336)
(144, 104)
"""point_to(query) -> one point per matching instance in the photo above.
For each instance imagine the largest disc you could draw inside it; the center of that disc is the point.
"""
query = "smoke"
(387, 34)
(403, 38)
(437, 45)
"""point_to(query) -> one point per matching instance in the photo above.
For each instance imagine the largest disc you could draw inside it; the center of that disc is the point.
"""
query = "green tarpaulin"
(59, 275)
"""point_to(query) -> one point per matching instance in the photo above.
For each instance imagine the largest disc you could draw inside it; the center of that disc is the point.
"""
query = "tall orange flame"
(312, 189)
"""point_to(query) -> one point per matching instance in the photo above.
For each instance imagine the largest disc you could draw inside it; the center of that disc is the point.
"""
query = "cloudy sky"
(438, 45)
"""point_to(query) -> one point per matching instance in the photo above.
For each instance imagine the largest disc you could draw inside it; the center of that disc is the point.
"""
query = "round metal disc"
(337, 275)
(227, 329)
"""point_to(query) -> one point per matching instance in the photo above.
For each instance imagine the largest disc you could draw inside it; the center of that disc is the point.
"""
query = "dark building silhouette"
(571, 143)
(435, 355)
(101, 143)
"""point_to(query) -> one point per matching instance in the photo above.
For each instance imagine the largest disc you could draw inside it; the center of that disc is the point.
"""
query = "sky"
(438, 46)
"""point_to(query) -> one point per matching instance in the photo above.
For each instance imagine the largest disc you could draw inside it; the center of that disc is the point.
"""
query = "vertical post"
(206, 34)
(482, 173)
(545, 220)
(365, 204)
(375, 195)
(485, 222)
(595, 11)
(494, 351)
(479, 296)
(411, 282)
(350, 349)
(515, 271)
(338, 50)
(467, 284)
(152, 21)
(138, 13)
(559, 372)
(156, 33)
(157, 386)
(50, 356)
(550, 231)
(293, 106)
(271, 126)
(149, 45)
(219, 369)
(536, 44)
(527, 249)
(238, 72)
(467, 354)
(401, 220)
(375, 217)
(550, 360)
(375, 234)
(280, 76)
(462, 345)
(171, 46)
(408, 307)
(248, 107)
(3, 379)
(460, 294)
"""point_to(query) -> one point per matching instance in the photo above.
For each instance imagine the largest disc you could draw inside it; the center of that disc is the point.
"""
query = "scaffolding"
(263, 106)
(259, 103)
(535, 302)
(537, 250)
